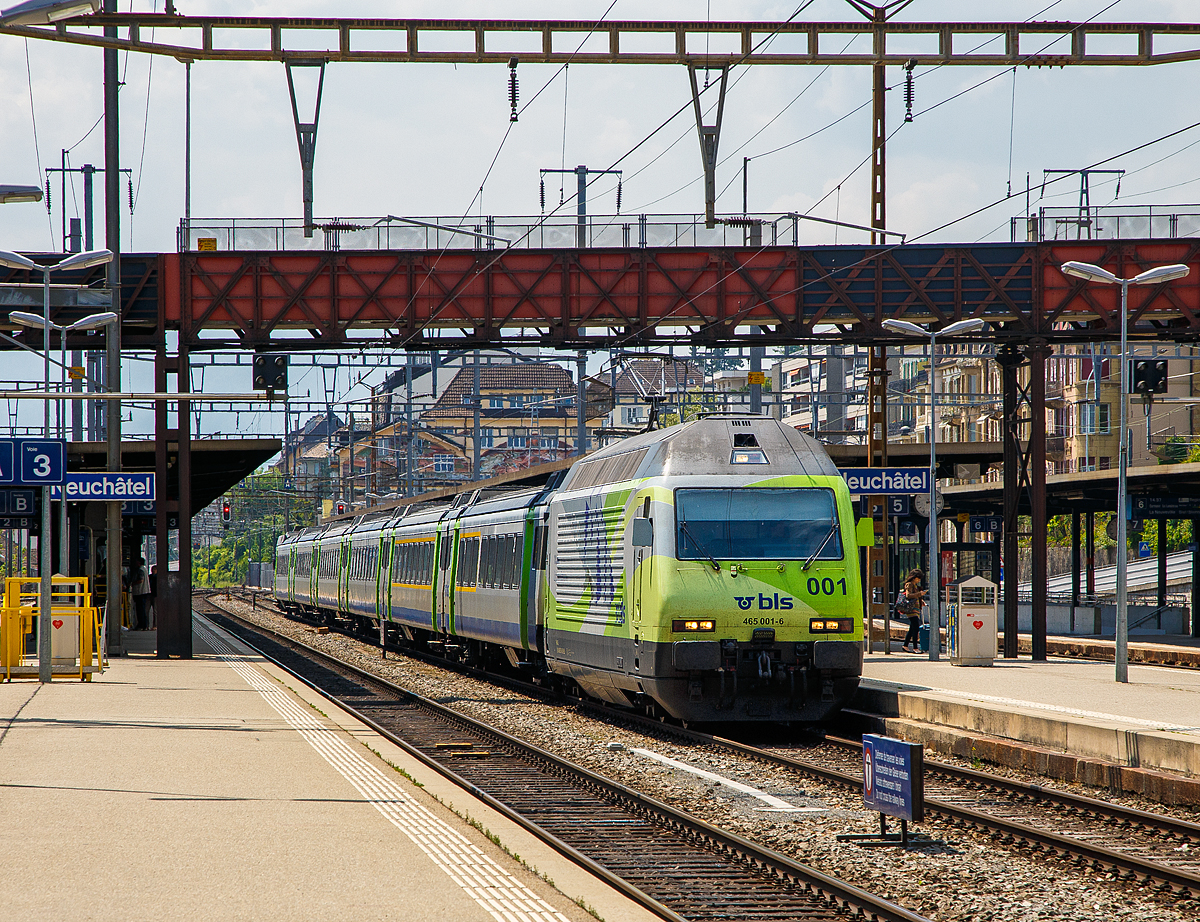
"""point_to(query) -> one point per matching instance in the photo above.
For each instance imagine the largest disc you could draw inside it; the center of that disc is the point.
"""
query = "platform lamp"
(45, 12)
(76, 261)
(935, 590)
(1157, 275)
(11, 195)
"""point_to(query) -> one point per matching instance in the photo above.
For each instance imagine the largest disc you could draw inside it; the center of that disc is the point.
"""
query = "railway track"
(678, 866)
(1133, 845)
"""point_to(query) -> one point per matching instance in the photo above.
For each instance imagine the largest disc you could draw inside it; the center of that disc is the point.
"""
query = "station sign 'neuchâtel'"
(125, 486)
(880, 480)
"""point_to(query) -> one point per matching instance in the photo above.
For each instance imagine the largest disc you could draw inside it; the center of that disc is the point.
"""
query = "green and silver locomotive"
(708, 571)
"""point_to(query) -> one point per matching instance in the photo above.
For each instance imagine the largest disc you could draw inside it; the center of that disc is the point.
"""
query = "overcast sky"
(419, 139)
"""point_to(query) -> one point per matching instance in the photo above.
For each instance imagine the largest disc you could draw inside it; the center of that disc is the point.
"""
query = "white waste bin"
(64, 639)
(973, 617)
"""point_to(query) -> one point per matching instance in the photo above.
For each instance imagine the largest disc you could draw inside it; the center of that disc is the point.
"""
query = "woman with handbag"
(912, 597)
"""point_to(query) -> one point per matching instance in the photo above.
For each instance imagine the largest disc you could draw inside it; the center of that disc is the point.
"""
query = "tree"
(261, 510)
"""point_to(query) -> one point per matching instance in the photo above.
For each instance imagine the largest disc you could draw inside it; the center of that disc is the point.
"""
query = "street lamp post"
(77, 261)
(935, 590)
(1157, 275)
(91, 322)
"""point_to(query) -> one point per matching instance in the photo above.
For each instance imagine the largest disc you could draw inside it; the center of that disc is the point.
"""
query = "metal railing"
(1107, 222)
(485, 233)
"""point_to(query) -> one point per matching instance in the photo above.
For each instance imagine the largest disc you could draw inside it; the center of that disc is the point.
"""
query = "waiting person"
(139, 586)
(912, 597)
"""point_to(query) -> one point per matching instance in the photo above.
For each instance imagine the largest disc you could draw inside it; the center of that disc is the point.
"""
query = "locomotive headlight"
(687, 626)
(831, 626)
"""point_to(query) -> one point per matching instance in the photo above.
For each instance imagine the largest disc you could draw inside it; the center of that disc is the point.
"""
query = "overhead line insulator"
(514, 89)
(909, 92)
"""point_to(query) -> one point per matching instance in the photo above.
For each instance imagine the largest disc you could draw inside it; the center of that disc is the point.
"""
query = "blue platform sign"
(33, 462)
(983, 524)
(878, 480)
(894, 777)
(126, 486)
(16, 502)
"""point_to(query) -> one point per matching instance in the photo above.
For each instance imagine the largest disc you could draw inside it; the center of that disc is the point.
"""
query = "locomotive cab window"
(757, 524)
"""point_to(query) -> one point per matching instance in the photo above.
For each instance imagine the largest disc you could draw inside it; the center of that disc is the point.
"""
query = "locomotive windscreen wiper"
(683, 526)
(813, 556)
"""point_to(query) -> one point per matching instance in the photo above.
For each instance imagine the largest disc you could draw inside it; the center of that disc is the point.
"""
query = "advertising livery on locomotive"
(707, 571)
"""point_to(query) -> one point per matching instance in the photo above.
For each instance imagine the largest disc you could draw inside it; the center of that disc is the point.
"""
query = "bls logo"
(774, 602)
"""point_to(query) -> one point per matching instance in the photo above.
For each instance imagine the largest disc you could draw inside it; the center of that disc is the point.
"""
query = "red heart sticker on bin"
(57, 622)
(978, 625)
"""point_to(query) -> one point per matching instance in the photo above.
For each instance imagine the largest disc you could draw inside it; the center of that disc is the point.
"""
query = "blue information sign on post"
(877, 480)
(8, 464)
(33, 462)
(894, 777)
(16, 502)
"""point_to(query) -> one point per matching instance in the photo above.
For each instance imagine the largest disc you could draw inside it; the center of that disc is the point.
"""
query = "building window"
(496, 403)
(467, 400)
(486, 438)
(516, 400)
(519, 438)
(1093, 419)
(443, 464)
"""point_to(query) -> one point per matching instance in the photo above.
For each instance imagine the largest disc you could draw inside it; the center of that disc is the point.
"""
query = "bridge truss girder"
(573, 299)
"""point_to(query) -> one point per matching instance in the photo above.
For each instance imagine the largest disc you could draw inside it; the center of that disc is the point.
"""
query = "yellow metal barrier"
(75, 639)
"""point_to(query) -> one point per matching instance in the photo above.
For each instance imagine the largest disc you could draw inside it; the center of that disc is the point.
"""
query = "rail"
(674, 864)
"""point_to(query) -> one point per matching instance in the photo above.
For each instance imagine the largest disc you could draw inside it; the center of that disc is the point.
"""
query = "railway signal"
(226, 513)
(341, 508)
(1149, 376)
(270, 372)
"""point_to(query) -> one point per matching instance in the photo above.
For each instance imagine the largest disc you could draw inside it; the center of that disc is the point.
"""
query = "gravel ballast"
(971, 878)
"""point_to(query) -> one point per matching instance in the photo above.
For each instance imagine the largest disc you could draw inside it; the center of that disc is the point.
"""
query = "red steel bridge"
(584, 299)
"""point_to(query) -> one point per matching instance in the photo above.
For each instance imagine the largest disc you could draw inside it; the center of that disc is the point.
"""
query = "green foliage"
(1179, 535)
(692, 408)
(1176, 451)
(261, 510)
(714, 360)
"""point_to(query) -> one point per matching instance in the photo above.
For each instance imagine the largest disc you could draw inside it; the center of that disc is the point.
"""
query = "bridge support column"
(1162, 569)
(1037, 495)
(1195, 619)
(1075, 565)
(173, 603)
(1090, 554)
(1010, 360)
(182, 645)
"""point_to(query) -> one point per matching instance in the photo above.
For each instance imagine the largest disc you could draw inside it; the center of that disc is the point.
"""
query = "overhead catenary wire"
(37, 152)
(619, 160)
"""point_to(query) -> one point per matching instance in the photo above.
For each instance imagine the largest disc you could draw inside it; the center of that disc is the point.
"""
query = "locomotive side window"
(757, 524)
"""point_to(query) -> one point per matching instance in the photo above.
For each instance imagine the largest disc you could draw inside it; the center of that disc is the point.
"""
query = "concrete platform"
(1063, 718)
(1179, 650)
(221, 787)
